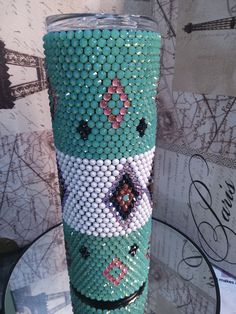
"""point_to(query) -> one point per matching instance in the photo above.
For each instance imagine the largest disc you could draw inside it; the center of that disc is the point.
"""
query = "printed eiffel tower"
(221, 24)
(9, 94)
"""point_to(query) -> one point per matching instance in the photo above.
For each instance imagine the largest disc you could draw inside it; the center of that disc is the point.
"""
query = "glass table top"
(181, 280)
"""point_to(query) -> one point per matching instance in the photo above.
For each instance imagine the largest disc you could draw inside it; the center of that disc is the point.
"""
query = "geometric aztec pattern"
(104, 130)
(107, 207)
(114, 268)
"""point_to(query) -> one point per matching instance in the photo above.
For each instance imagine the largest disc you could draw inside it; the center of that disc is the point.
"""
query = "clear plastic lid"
(65, 22)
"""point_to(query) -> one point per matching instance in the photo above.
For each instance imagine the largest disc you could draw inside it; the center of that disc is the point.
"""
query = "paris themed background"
(195, 141)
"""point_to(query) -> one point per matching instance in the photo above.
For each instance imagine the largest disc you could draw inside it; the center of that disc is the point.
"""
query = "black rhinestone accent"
(68, 258)
(151, 181)
(61, 183)
(141, 128)
(84, 252)
(109, 305)
(83, 129)
(52, 99)
(133, 250)
(148, 254)
(124, 188)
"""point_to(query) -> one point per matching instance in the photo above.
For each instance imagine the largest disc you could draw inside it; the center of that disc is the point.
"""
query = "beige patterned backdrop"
(195, 162)
(194, 186)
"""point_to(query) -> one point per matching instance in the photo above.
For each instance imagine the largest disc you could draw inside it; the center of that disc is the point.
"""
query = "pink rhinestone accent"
(126, 104)
(107, 111)
(107, 96)
(122, 111)
(115, 125)
(112, 89)
(115, 263)
(103, 104)
(119, 118)
(123, 97)
(120, 90)
(112, 118)
(115, 88)
(116, 82)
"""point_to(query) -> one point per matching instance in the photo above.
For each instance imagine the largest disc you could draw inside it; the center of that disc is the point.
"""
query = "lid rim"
(53, 22)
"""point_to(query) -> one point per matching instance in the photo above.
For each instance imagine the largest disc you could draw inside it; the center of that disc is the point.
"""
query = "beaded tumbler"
(103, 72)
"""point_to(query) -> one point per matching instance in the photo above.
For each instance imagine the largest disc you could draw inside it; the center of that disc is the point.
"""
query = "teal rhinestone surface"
(136, 307)
(108, 269)
(117, 71)
(102, 88)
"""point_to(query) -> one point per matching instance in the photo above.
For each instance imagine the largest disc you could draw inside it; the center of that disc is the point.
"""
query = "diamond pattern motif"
(115, 119)
(115, 263)
(137, 173)
(125, 196)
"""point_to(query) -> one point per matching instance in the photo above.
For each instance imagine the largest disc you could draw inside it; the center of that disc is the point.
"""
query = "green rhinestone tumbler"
(103, 72)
